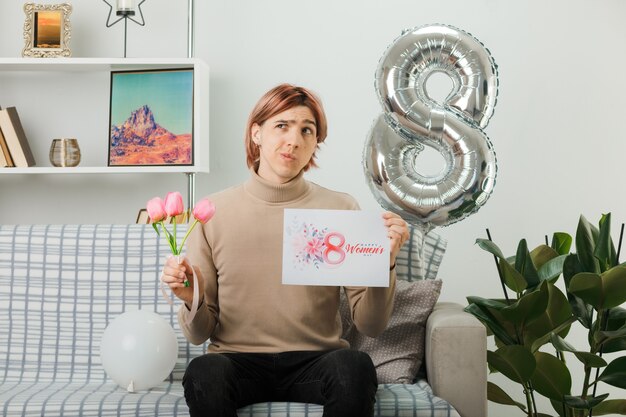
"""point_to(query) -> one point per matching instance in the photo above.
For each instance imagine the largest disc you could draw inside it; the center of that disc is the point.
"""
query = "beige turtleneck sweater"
(246, 308)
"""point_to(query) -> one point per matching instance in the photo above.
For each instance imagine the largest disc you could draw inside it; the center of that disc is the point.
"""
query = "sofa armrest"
(456, 359)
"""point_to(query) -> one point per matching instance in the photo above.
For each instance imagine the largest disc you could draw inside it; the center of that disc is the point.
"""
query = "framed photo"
(151, 118)
(142, 217)
(47, 30)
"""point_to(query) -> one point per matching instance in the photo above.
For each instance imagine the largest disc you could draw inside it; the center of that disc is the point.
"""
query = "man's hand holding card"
(336, 248)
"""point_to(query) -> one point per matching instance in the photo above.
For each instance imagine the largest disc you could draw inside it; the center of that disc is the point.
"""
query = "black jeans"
(343, 380)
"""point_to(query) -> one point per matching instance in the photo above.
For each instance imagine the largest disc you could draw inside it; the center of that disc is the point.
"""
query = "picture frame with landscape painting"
(47, 30)
(151, 118)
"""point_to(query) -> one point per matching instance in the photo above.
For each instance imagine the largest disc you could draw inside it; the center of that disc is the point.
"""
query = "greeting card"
(335, 247)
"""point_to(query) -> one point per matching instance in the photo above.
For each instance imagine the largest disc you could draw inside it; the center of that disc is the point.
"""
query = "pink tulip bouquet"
(160, 210)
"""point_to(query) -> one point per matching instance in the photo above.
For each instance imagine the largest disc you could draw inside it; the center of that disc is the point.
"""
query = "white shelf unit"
(43, 66)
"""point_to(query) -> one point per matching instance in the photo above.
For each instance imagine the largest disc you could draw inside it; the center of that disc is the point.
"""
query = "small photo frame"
(142, 217)
(47, 30)
(151, 118)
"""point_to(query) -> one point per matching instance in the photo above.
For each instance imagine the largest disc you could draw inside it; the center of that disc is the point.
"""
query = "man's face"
(286, 143)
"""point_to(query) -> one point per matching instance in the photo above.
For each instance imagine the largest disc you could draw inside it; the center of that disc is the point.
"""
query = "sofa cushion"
(105, 399)
(420, 256)
(398, 352)
(392, 400)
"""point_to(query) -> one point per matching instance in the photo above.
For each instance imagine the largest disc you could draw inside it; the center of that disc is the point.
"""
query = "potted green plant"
(531, 326)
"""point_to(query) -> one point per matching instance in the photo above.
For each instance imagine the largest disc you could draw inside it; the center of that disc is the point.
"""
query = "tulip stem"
(170, 239)
(182, 243)
(175, 244)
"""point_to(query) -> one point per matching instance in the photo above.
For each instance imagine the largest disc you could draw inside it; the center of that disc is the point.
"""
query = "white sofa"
(60, 285)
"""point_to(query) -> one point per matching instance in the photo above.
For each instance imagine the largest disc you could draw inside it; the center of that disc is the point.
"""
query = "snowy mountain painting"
(151, 118)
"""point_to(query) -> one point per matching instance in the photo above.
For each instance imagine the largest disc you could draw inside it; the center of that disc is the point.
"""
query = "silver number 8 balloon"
(412, 120)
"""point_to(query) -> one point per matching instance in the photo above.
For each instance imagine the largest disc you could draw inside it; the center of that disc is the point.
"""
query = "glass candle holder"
(64, 152)
(125, 8)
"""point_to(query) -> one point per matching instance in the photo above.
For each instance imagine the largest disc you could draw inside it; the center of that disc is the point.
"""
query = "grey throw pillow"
(398, 352)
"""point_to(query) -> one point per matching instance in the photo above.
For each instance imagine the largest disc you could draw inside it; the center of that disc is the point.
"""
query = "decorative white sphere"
(138, 350)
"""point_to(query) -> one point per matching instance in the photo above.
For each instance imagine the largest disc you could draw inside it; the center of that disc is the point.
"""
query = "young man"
(269, 341)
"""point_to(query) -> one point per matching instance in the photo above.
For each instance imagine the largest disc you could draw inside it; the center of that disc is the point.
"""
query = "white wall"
(557, 129)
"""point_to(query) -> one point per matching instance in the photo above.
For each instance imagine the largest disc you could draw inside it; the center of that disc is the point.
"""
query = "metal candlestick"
(126, 15)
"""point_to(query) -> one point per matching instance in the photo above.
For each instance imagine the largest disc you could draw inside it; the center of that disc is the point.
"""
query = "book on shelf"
(3, 161)
(5, 155)
(15, 138)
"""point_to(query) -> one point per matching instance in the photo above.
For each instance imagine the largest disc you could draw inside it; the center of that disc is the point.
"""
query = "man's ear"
(255, 133)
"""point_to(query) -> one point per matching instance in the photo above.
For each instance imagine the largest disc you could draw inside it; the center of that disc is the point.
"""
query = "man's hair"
(277, 100)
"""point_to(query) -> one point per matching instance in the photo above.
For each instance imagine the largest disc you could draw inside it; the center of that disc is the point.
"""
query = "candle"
(125, 5)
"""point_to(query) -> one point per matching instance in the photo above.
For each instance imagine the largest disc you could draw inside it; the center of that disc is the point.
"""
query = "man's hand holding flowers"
(177, 272)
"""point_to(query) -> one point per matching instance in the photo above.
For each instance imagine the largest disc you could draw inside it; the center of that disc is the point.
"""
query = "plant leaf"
(561, 243)
(602, 337)
(588, 359)
(610, 407)
(486, 302)
(172, 241)
(489, 246)
(497, 395)
(580, 403)
(561, 344)
(527, 308)
(542, 254)
(542, 340)
(617, 319)
(583, 311)
(618, 314)
(588, 287)
(614, 283)
(552, 268)
(512, 278)
(491, 322)
(601, 291)
(515, 362)
(557, 311)
(560, 408)
(551, 377)
(605, 251)
(571, 267)
(615, 373)
(586, 236)
(524, 264)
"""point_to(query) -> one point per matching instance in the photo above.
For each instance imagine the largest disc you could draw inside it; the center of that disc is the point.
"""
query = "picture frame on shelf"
(151, 118)
(143, 217)
(47, 30)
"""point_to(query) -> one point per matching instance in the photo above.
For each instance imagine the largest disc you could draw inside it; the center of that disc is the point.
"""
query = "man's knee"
(353, 388)
(354, 364)
(210, 366)
(209, 386)
(353, 376)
